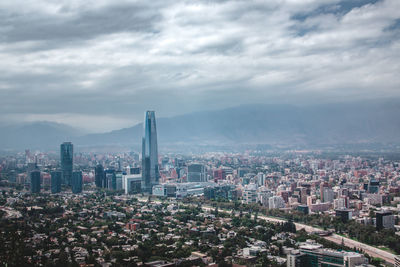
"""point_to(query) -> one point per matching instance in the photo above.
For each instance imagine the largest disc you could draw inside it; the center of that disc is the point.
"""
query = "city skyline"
(276, 141)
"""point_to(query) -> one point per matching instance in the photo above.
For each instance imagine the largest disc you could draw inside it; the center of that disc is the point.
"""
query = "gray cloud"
(67, 25)
(99, 64)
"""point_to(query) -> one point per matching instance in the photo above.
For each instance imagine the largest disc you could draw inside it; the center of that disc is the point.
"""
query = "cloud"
(111, 60)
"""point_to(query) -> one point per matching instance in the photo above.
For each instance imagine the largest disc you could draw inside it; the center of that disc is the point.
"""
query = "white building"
(250, 193)
(260, 179)
(264, 196)
(132, 183)
(276, 202)
(180, 190)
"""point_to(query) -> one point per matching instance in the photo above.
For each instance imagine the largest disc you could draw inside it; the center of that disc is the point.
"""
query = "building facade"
(196, 173)
(99, 176)
(66, 157)
(150, 172)
(56, 177)
(132, 184)
(384, 219)
(76, 182)
(35, 181)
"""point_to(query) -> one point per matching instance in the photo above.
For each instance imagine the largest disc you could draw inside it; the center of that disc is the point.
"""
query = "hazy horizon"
(98, 65)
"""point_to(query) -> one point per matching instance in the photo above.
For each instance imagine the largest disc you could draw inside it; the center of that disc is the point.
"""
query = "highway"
(370, 250)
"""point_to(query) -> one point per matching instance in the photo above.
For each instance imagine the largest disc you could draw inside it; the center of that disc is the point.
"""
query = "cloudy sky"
(99, 64)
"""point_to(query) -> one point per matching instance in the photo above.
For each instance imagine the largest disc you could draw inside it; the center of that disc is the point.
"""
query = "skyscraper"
(76, 185)
(196, 173)
(56, 177)
(66, 156)
(150, 174)
(35, 180)
(110, 179)
(99, 176)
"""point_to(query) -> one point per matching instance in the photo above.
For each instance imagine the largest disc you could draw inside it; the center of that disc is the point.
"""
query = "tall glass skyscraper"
(99, 176)
(66, 156)
(76, 182)
(35, 180)
(56, 182)
(150, 173)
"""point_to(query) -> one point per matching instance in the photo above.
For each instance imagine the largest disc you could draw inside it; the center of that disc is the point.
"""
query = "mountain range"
(344, 123)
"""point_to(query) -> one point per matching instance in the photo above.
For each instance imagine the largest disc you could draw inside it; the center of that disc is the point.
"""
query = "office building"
(35, 180)
(312, 254)
(250, 194)
(328, 195)
(118, 181)
(303, 209)
(56, 177)
(150, 172)
(110, 179)
(196, 173)
(373, 186)
(341, 203)
(384, 219)
(132, 184)
(260, 179)
(66, 157)
(99, 177)
(263, 197)
(76, 184)
(276, 202)
(344, 214)
(219, 174)
(181, 190)
(295, 258)
(219, 192)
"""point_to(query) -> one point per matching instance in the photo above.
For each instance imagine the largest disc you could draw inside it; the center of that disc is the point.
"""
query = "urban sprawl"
(257, 208)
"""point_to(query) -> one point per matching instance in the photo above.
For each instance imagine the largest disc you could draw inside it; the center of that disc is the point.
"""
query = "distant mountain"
(349, 123)
(36, 135)
(366, 122)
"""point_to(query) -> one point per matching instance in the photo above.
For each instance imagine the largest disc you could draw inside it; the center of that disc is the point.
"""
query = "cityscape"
(299, 208)
(219, 133)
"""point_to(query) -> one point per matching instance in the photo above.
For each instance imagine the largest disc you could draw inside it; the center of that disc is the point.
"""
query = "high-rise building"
(260, 179)
(56, 177)
(250, 194)
(150, 173)
(328, 195)
(118, 181)
(373, 186)
(110, 179)
(276, 202)
(99, 176)
(35, 180)
(66, 156)
(196, 173)
(76, 184)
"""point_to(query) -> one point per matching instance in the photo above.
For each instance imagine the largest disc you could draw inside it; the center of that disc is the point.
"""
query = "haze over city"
(210, 133)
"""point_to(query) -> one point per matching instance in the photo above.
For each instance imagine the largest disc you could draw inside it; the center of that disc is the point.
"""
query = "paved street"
(372, 251)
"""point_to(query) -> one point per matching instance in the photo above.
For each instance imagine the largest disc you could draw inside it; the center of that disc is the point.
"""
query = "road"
(370, 250)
